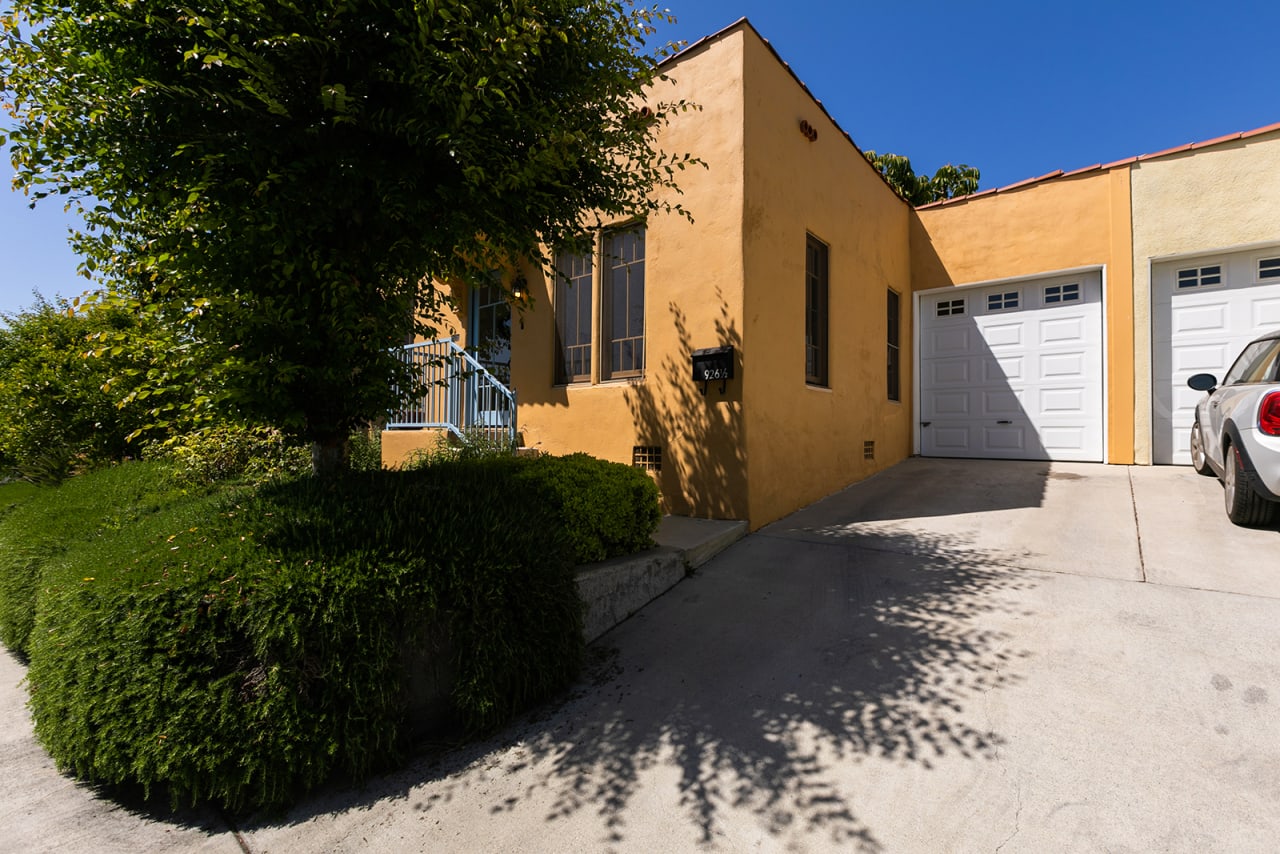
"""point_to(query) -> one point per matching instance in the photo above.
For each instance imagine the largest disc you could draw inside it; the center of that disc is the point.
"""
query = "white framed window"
(950, 307)
(1268, 270)
(1003, 301)
(1200, 277)
(1062, 293)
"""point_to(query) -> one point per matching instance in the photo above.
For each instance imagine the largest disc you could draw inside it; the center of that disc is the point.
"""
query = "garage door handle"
(1004, 422)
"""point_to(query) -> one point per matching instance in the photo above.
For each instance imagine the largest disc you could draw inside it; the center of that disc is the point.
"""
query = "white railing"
(459, 395)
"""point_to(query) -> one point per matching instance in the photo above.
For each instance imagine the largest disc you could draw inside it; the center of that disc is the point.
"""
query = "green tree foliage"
(69, 383)
(284, 181)
(947, 183)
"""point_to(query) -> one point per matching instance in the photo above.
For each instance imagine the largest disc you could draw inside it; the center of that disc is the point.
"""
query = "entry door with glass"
(490, 340)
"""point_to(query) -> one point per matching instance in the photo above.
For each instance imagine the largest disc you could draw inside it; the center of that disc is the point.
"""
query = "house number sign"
(712, 364)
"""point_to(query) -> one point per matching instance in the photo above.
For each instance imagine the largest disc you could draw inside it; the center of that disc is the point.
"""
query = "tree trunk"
(330, 455)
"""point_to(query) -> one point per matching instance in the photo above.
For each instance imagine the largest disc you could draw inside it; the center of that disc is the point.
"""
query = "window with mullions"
(1002, 301)
(815, 312)
(1200, 277)
(1062, 293)
(893, 332)
(623, 302)
(573, 318)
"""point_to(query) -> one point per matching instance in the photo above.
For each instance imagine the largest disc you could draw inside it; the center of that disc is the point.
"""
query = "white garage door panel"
(1014, 380)
(1201, 330)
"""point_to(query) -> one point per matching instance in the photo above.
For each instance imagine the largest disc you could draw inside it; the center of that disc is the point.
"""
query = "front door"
(490, 342)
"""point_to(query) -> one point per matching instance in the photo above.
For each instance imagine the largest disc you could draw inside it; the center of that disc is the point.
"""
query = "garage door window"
(1269, 270)
(1002, 301)
(1061, 293)
(950, 307)
(1200, 277)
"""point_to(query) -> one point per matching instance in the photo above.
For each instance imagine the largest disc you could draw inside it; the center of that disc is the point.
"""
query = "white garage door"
(1203, 312)
(1013, 371)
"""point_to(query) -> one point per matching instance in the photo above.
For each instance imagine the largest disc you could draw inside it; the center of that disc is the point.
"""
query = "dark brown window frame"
(582, 286)
(817, 312)
(893, 341)
(616, 366)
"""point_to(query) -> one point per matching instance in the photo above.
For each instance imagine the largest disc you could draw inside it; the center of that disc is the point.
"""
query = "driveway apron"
(950, 656)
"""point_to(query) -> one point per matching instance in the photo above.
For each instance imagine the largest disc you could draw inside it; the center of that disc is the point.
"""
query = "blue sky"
(1017, 89)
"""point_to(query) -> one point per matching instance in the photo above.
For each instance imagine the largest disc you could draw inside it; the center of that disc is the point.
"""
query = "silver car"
(1236, 434)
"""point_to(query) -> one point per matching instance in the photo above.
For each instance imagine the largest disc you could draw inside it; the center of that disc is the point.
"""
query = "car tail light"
(1269, 414)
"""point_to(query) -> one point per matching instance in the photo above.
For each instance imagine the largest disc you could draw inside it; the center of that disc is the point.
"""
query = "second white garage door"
(1203, 311)
(1013, 371)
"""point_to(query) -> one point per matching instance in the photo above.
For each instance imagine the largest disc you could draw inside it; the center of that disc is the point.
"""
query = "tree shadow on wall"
(758, 700)
(704, 467)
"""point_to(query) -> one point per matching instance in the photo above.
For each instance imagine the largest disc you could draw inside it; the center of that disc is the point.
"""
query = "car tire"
(1199, 459)
(1244, 506)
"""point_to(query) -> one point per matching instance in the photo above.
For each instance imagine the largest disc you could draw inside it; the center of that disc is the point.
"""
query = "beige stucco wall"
(802, 442)
(1202, 200)
(1061, 224)
(693, 295)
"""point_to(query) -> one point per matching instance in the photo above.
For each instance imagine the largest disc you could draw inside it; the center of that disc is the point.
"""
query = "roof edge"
(1104, 167)
(745, 24)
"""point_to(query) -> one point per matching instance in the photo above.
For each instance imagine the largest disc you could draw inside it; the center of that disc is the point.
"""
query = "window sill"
(813, 387)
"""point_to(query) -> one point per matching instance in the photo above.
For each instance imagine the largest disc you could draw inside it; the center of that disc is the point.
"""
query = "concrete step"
(613, 590)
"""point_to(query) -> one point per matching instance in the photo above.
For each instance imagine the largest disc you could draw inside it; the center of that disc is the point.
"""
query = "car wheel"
(1199, 459)
(1244, 506)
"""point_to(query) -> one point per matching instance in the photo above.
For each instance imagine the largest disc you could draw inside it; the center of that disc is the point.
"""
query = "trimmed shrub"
(246, 645)
(49, 522)
(609, 509)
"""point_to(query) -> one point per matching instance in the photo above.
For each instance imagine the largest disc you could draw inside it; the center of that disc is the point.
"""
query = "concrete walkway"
(951, 656)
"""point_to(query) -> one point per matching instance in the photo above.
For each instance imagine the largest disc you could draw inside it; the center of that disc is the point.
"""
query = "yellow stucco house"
(809, 328)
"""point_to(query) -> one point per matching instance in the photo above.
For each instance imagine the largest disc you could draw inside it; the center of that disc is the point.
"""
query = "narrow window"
(573, 318)
(893, 330)
(815, 312)
(1268, 269)
(624, 302)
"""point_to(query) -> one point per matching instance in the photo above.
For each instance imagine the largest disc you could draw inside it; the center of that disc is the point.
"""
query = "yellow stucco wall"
(693, 295)
(1065, 223)
(1206, 199)
(804, 442)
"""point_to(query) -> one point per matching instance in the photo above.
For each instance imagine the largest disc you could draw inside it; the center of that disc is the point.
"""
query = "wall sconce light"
(810, 132)
(519, 289)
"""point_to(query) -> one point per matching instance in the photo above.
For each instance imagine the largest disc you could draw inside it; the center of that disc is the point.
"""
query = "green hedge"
(246, 644)
(609, 509)
(43, 526)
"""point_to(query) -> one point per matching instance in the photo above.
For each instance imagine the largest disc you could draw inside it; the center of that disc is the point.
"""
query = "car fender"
(1232, 437)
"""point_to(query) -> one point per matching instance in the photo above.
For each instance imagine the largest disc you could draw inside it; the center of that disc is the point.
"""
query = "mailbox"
(711, 364)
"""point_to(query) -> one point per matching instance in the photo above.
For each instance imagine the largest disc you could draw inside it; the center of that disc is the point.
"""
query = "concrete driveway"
(951, 656)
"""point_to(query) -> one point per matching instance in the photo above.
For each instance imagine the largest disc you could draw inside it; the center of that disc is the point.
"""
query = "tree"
(947, 183)
(66, 377)
(285, 182)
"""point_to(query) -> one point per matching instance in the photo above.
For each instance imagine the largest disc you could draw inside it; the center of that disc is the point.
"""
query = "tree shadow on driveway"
(749, 696)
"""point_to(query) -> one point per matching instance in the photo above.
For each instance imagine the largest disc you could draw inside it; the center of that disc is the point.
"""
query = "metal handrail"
(460, 394)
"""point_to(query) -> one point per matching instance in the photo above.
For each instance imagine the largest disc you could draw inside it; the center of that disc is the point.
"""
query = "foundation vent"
(869, 450)
(647, 457)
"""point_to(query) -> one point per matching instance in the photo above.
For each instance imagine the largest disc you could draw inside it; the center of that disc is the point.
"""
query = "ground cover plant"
(243, 642)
